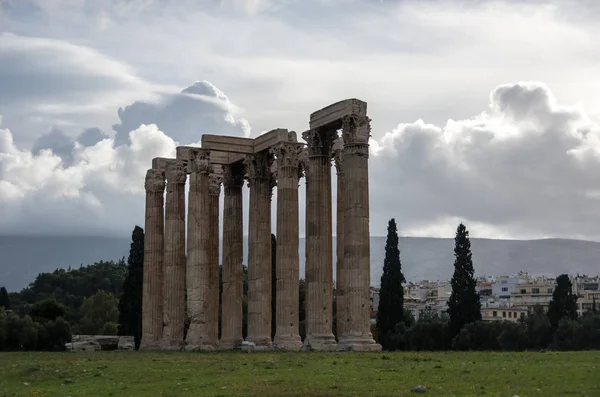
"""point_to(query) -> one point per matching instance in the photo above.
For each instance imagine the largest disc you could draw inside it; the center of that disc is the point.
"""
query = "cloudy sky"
(483, 111)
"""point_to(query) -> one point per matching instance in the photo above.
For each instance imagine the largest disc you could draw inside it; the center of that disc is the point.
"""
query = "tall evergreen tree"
(464, 305)
(563, 303)
(130, 304)
(4, 299)
(273, 285)
(391, 294)
(594, 310)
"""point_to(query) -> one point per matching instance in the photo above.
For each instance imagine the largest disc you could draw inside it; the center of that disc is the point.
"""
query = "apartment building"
(533, 292)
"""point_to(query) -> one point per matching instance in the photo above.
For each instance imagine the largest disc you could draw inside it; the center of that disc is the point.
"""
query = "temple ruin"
(180, 283)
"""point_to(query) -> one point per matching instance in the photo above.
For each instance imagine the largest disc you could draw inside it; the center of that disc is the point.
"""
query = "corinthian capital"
(201, 162)
(258, 166)
(287, 154)
(155, 181)
(214, 183)
(319, 141)
(338, 155)
(356, 130)
(175, 172)
(233, 175)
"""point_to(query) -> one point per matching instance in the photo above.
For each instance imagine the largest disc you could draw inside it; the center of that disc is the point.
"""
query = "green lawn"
(299, 374)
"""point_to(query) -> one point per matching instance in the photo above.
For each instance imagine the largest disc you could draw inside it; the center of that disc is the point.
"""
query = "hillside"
(22, 258)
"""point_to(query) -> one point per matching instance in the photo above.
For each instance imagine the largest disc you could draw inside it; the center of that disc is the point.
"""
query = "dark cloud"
(91, 136)
(199, 109)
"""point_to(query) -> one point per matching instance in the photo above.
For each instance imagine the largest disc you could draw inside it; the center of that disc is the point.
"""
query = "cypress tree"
(130, 304)
(4, 298)
(391, 293)
(273, 284)
(563, 303)
(464, 305)
(594, 310)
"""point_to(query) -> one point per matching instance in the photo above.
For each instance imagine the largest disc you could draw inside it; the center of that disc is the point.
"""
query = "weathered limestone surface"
(152, 301)
(175, 260)
(197, 250)
(259, 249)
(233, 257)
(212, 308)
(288, 265)
(332, 115)
(356, 264)
(319, 266)
(341, 306)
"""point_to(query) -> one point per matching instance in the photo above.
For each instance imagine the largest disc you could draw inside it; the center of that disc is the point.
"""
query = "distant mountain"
(23, 257)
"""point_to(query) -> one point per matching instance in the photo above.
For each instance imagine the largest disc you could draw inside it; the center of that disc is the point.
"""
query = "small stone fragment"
(418, 389)
(68, 380)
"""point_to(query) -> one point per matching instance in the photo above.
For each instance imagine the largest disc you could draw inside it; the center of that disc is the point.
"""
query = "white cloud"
(99, 193)
(526, 166)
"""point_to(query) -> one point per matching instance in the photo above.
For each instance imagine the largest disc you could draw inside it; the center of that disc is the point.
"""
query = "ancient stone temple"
(181, 265)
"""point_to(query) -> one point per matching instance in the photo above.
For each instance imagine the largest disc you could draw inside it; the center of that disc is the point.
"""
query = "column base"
(261, 343)
(288, 342)
(201, 348)
(150, 345)
(358, 343)
(172, 345)
(322, 342)
(230, 344)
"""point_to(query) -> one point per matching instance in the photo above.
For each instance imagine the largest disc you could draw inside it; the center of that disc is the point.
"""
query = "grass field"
(135, 374)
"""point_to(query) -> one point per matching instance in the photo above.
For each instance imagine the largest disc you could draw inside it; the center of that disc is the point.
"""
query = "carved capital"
(338, 155)
(155, 181)
(303, 163)
(287, 154)
(356, 130)
(258, 166)
(175, 172)
(201, 162)
(214, 183)
(319, 142)
(233, 175)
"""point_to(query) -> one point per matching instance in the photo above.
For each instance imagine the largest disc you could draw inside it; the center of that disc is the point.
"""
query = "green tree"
(97, 310)
(594, 310)
(563, 303)
(273, 285)
(4, 299)
(47, 310)
(130, 304)
(464, 305)
(391, 294)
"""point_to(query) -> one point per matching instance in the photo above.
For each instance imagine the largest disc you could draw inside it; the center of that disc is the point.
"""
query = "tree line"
(105, 298)
(461, 327)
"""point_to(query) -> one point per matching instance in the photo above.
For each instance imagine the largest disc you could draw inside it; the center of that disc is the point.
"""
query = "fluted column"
(341, 307)
(259, 249)
(356, 264)
(174, 259)
(319, 266)
(233, 257)
(197, 250)
(288, 263)
(152, 291)
(212, 303)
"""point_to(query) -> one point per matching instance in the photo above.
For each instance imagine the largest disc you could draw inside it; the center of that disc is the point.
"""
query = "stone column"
(233, 257)
(288, 263)
(152, 301)
(212, 303)
(356, 264)
(175, 260)
(259, 249)
(198, 250)
(341, 307)
(319, 266)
